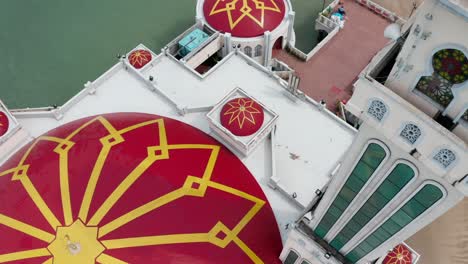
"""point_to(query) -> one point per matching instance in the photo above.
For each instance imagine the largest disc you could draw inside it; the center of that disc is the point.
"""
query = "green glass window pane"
(361, 218)
(347, 194)
(363, 171)
(340, 202)
(381, 234)
(369, 210)
(291, 258)
(365, 247)
(401, 175)
(391, 227)
(353, 256)
(428, 195)
(378, 200)
(413, 208)
(373, 241)
(353, 225)
(374, 155)
(388, 189)
(360, 252)
(320, 231)
(326, 222)
(401, 219)
(347, 233)
(338, 242)
(305, 262)
(354, 183)
(334, 211)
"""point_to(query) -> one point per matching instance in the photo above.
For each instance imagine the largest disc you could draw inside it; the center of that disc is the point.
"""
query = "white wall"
(205, 53)
(448, 30)
(400, 112)
(387, 134)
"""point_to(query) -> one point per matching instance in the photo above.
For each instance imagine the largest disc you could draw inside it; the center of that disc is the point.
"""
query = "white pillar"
(267, 46)
(227, 44)
(291, 17)
(199, 20)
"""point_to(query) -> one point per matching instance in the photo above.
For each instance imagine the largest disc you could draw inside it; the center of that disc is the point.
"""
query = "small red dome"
(242, 116)
(399, 255)
(4, 123)
(139, 58)
(245, 19)
(132, 188)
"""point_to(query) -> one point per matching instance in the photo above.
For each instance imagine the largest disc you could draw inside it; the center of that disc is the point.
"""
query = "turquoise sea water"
(50, 48)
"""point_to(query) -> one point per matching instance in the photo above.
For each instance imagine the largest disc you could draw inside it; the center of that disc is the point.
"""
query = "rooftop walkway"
(330, 73)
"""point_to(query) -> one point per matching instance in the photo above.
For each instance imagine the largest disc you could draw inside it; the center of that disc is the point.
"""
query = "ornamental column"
(227, 44)
(291, 17)
(267, 46)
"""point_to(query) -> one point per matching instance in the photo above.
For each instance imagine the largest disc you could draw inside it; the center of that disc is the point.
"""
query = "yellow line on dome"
(167, 198)
(106, 259)
(155, 153)
(92, 182)
(133, 127)
(41, 205)
(65, 188)
(120, 190)
(12, 170)
(252, 212)
(255, 259)
(49, 261)
(99, 164)
(20, 174)
(27, 254)
(140, 211)
(26, 228)
(155, 240)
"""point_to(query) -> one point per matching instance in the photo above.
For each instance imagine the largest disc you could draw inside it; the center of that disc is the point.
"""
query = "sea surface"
(50, 48)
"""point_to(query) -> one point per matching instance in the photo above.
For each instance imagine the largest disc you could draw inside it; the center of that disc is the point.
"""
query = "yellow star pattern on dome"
(242, 110)
(65, 244)
(139, 57)
(245, 9)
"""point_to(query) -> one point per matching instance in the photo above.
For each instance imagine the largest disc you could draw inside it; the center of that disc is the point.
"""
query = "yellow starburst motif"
(241, 110)
(246, 10)
(80, 240)
(139, 58)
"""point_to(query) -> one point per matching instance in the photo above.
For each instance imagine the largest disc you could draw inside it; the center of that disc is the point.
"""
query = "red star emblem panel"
(242, 116)
(399, 255)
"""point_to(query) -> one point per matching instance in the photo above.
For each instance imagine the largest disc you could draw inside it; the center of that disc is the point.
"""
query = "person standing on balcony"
(339, 16)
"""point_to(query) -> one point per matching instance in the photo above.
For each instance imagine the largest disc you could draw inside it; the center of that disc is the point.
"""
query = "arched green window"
(388, 189)
(362, 172)
(423, 200)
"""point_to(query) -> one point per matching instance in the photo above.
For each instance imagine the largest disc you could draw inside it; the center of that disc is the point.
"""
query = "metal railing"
(323, 21)
(380, 10)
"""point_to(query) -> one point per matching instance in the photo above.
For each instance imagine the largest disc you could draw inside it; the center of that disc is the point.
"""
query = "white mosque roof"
(307, 146)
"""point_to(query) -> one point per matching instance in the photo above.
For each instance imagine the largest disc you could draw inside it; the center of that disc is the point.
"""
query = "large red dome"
(249, 18)
(135, 188)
